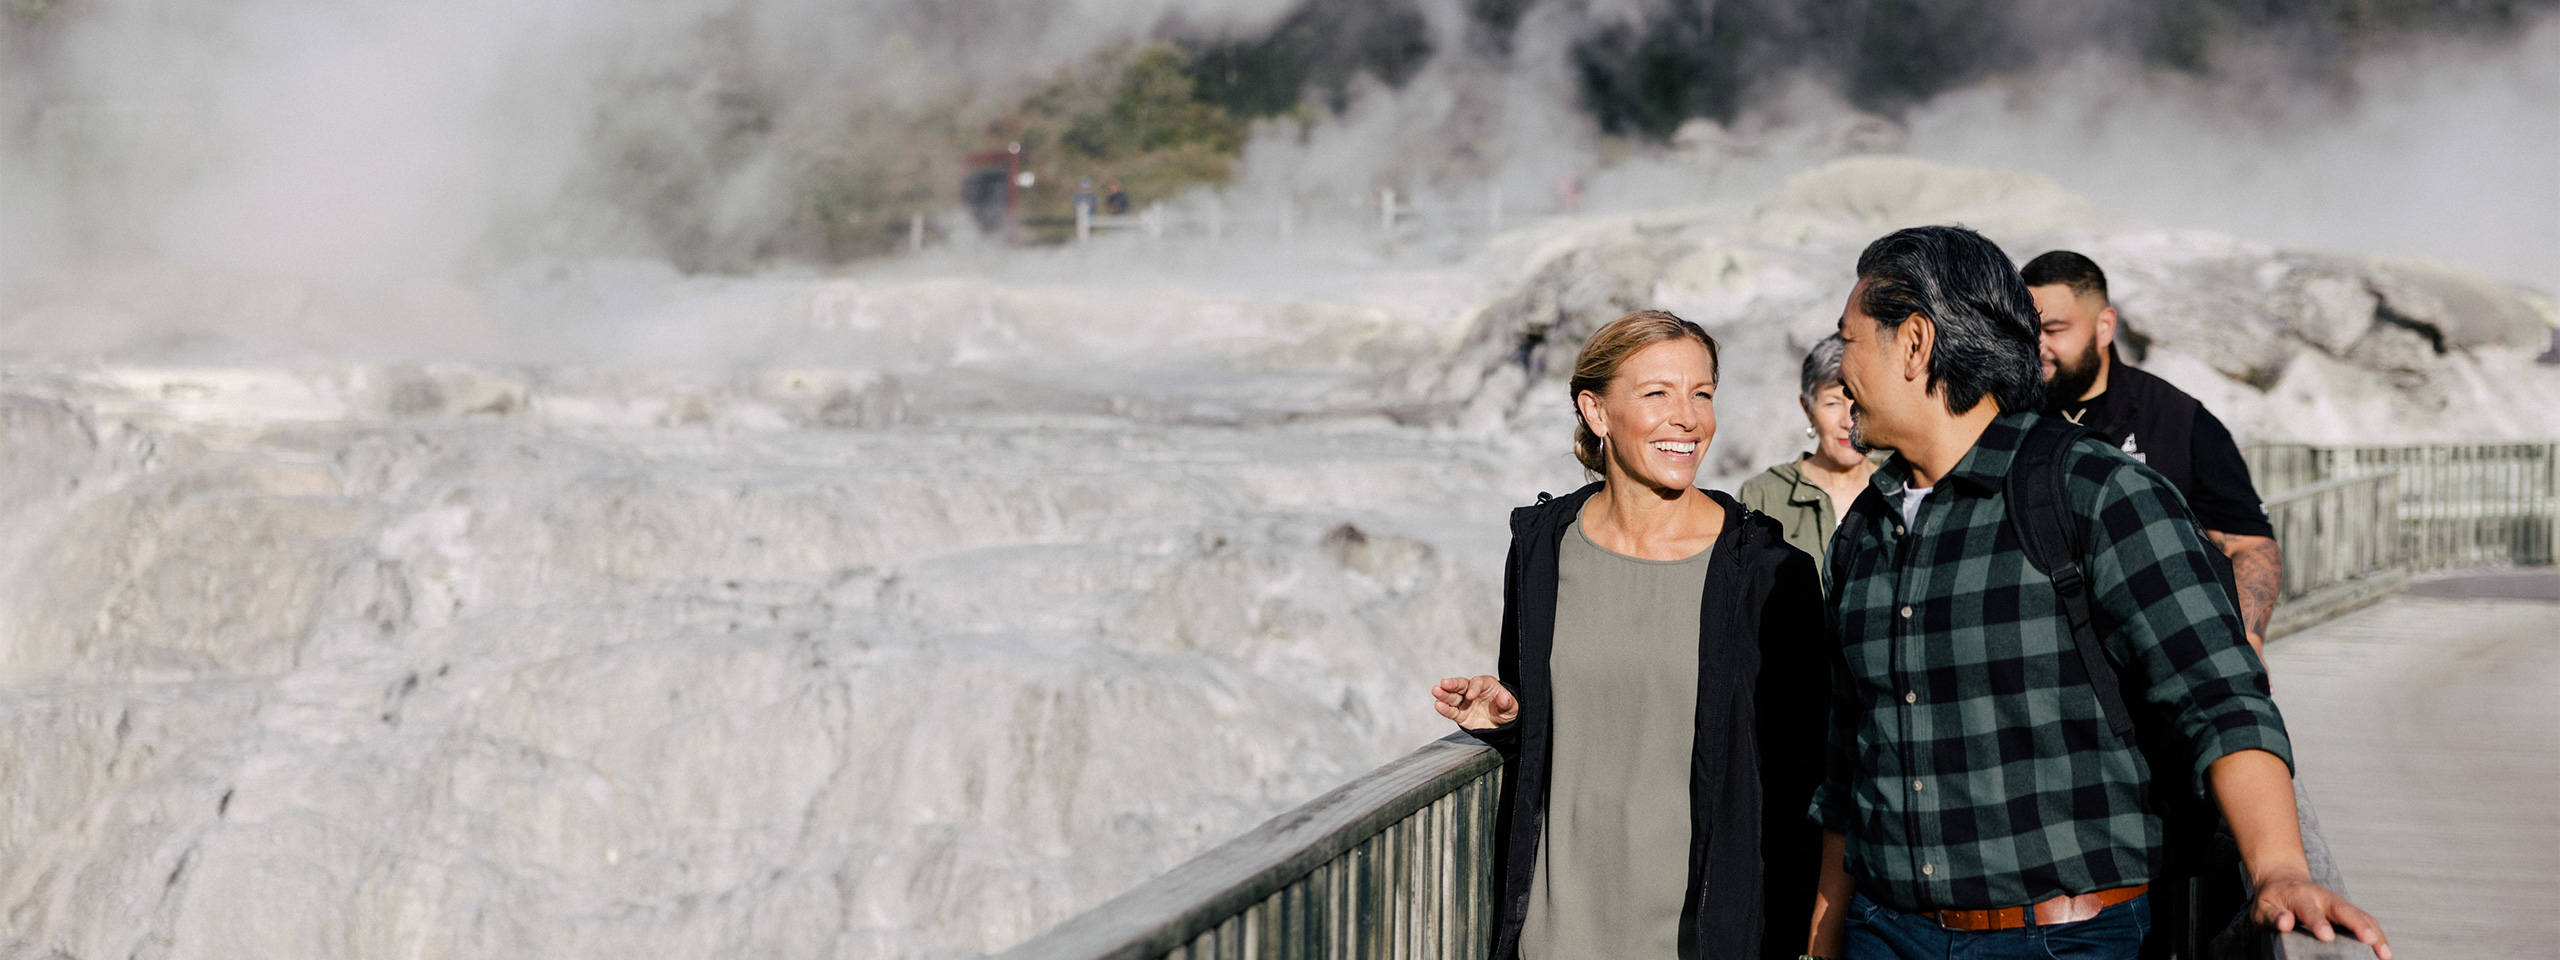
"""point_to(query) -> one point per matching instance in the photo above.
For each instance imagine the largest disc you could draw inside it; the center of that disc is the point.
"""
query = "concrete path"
(2427, 730)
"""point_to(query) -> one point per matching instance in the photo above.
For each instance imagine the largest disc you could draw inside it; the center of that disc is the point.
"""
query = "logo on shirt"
(2133, 450)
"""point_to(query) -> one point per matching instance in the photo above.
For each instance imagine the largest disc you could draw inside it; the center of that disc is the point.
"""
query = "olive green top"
(1613, 862)
(1799, 506)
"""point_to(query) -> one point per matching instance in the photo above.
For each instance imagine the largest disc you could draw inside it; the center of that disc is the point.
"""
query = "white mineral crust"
(901, 615)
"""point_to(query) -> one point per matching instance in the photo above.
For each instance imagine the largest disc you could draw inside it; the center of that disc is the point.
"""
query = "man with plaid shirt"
(1977, 802)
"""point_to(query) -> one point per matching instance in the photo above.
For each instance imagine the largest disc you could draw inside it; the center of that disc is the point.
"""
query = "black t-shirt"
(2216, 484)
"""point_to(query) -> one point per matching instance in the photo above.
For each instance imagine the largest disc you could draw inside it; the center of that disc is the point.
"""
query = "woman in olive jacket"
(1608, 845)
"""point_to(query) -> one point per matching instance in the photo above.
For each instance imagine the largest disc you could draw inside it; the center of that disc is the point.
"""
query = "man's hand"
(2294, 902)
(1477, 703)
(2255, 790)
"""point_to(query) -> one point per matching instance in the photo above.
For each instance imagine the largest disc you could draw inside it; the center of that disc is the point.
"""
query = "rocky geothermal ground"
(907, 613)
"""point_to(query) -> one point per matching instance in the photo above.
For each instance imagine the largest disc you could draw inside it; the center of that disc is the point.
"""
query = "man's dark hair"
(1987, 327)
(2069, 269)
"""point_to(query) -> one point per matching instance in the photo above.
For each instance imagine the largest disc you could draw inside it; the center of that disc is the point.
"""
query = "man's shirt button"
(1906, 613)
(1927, 869)
(1897, 529)
(1911, 697)
(1917, 785)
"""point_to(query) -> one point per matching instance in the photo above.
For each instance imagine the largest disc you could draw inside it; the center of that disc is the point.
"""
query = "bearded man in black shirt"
(2160, 425)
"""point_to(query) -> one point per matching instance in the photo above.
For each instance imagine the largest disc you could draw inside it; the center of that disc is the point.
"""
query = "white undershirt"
(1911, 497)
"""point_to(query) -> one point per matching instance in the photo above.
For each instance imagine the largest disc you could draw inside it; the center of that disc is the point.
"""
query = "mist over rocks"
(906, 612)
(477, 687)
(2285, 345)
(883, 615)
(413, 552)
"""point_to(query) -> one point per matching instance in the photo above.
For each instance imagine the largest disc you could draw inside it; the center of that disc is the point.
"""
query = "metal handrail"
(1395, 863)
(2336, 531)
(2460, 504)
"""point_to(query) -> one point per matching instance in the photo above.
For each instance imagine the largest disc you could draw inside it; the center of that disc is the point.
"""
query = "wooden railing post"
(2341, 543)
(2460, 504)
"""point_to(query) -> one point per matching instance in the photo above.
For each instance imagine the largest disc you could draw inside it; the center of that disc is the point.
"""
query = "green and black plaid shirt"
(1971, 766)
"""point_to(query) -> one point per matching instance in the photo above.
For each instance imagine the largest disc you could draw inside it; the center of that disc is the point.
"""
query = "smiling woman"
(1674, 364)
(1657, 701)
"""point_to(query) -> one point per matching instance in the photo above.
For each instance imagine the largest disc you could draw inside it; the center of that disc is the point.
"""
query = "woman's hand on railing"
(1476, 703)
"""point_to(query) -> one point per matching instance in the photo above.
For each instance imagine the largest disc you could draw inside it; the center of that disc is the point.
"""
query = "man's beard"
(1858, 430)
(2071, 380)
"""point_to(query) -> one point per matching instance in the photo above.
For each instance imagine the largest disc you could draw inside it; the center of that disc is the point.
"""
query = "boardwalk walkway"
(2427, 728)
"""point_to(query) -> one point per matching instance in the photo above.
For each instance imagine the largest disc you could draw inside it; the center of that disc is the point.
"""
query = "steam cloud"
(409, 140)
(548, 598)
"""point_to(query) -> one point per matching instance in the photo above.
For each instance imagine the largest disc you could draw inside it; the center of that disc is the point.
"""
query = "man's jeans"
(1878, 932)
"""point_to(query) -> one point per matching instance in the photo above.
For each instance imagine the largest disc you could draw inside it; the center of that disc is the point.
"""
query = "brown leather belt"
(2057, 910)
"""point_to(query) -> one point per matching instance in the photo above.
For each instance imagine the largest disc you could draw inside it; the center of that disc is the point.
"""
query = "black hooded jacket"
(1763, 679)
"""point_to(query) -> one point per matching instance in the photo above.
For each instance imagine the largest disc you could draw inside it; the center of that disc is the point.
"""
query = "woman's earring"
(1809, 434)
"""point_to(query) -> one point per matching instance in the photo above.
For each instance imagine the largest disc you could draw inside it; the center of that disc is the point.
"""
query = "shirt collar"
(1983, 468)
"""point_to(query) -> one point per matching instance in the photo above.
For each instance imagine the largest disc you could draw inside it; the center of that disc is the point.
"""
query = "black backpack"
(2040, 511)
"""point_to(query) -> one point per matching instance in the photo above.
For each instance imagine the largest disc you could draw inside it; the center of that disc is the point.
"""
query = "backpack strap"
(2040, 510)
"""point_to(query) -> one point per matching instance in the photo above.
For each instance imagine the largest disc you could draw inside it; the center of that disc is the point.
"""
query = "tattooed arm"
(2259, 567)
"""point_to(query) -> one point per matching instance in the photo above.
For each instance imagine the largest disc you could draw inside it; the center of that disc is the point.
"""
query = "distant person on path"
(1657, 706)
(1806, 494)
(1981, 798)
(2155, 423)
(1084, 197)
(1115, 199)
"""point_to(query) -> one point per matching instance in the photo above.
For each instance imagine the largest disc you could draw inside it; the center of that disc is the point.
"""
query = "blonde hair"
(1607, 350)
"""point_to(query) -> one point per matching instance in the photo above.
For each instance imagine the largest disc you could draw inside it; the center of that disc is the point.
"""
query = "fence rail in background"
(1395, 864)
(2464, 505)
(2341, 541)
(1387, 215)
(2277, 467)
(2461, 504)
